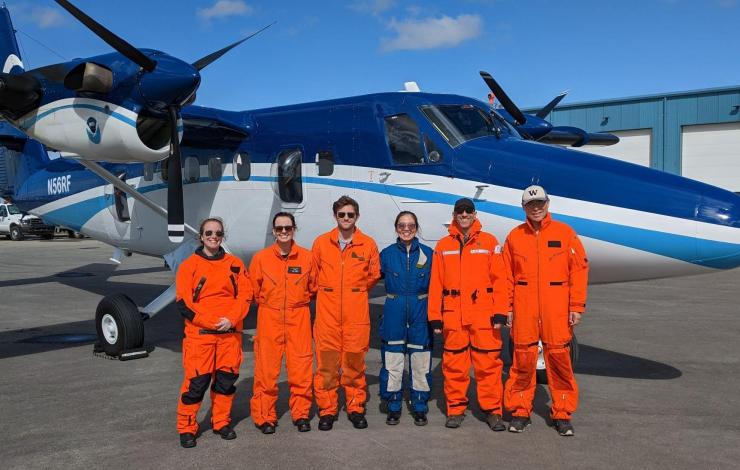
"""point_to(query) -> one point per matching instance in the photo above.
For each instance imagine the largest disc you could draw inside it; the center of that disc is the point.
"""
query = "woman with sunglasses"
(284, 279)
(213, 294)
(404, 329)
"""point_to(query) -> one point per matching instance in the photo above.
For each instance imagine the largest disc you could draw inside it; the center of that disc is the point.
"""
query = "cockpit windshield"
(459, 123)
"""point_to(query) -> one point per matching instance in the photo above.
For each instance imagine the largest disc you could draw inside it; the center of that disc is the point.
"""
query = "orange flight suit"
(208, 289)
(342, 326)
(547, 277)
(466, 287)
(283, 286)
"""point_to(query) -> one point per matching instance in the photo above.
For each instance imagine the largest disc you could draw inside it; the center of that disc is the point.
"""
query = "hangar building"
(694, 133)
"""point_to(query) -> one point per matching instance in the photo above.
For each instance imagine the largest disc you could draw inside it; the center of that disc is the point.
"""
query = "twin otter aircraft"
(143, 166)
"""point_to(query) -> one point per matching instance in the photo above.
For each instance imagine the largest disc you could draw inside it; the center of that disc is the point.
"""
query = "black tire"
(16, 234)
(542, 373)
(119, 324)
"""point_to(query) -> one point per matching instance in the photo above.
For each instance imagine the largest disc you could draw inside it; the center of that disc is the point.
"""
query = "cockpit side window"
(458, 123)
(404, 140)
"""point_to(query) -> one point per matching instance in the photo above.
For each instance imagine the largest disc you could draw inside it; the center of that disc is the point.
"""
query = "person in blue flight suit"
(404, 329)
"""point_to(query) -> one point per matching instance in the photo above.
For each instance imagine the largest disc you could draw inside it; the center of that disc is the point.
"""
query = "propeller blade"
(506, 102)
(204, 62)
(543, 113)
(106, 35)
(175, 212)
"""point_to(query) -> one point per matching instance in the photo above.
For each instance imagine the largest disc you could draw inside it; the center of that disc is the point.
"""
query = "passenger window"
(404, 140)
(148, 171)
(192, 170)
(434, 154)
(242, 166)
(289, 180)
(214, 169)
(325, 160)
(3, 212)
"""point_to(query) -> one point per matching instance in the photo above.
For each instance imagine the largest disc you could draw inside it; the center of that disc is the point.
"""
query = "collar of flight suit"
(457, 234)
(402, 246)
(543, 225)
(219, 254)
(293, 250)
(358, 238)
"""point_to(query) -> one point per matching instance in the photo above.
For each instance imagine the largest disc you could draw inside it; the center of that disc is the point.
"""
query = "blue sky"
(328, 49)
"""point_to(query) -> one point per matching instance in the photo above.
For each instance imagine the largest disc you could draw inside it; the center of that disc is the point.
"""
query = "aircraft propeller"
(506, 102)
(167, 85)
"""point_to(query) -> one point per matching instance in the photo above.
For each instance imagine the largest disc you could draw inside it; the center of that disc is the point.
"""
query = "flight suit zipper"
(285, 299)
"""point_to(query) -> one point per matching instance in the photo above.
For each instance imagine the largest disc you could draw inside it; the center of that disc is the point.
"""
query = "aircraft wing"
(576, 137)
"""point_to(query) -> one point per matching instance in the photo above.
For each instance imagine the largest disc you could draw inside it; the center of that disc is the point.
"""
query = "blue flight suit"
(404, 328)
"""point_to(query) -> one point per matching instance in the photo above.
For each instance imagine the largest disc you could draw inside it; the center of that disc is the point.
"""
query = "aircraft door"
(420, 169)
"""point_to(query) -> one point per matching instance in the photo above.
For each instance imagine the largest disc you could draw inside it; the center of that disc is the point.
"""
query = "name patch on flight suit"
(355, 255)
(294, 269)
(554, 244)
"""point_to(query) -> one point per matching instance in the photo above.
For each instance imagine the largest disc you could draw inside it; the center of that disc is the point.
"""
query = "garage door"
(634, 146)
(711, 153)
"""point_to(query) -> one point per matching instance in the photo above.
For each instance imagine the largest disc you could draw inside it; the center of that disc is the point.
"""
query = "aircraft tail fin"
(20, 157)
(10, 55)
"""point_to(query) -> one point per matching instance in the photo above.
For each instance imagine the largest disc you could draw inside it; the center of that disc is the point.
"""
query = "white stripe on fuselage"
(249, 206)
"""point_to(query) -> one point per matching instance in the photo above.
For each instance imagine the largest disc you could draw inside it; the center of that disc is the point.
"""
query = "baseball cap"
(464, 203)
(534, 193)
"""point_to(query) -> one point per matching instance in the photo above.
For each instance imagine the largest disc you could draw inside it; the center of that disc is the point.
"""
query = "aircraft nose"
(718, 229)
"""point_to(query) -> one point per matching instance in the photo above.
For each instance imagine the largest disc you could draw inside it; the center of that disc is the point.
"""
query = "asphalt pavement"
(659, 375)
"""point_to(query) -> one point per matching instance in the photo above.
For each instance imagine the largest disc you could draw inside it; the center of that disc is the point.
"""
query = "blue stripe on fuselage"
(671, 245)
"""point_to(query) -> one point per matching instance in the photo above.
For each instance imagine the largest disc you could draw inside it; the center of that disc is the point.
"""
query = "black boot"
(326, 422)
(358, 420)
(226, 433)
(267, 428)
(187, 440)
(420, 418)
(303, 425)
(393, 418)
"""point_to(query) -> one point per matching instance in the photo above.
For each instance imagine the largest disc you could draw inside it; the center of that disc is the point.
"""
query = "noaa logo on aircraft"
(93, 131)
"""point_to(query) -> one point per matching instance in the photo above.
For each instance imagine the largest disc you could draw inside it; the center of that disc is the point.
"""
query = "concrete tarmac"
(659, 375)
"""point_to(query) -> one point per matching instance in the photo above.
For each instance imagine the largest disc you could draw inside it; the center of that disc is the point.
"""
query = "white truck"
(15, 225)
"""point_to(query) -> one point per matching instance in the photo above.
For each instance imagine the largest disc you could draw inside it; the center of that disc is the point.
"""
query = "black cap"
(464, 203)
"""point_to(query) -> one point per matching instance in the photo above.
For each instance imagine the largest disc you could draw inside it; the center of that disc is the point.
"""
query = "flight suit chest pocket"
(557, 262)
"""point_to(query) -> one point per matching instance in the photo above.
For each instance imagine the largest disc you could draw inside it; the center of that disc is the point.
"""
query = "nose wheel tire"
(541, 371)
(119, 324)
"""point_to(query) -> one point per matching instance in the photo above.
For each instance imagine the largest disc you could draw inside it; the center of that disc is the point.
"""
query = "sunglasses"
(349, 215)
(218, 233)
(464, 210)
(406, 226)
(283, 228)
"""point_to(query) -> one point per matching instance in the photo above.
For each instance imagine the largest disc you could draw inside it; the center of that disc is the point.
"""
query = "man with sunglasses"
(466, 288)
(284, 279)
(547, 277)
(349, 266)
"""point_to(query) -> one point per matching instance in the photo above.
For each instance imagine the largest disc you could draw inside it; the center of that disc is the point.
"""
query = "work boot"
(519, 423)
(226, 433)
(187, 440)
(326, 422)
(420, 418)
(358, 420)
(564, 427)
(495, 422)
(303, 425)
(454, 421)
(266, 428)
(393, 418)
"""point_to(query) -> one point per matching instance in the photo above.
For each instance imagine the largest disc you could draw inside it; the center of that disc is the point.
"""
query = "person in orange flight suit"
(547, 277)
(284, 277)
(349, 266)
(213, 294)
(467, 281)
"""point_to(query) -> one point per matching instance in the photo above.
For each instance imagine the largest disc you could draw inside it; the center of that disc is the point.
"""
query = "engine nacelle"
(98, 130)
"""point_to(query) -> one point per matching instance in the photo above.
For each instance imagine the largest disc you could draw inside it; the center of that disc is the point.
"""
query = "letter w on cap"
(532, 192)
